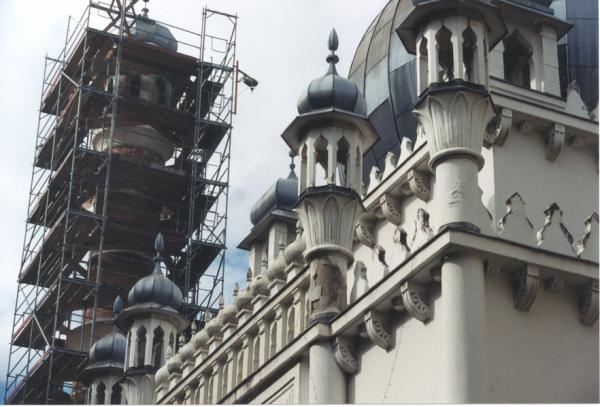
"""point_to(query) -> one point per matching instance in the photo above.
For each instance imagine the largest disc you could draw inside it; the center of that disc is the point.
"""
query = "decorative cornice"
(391, 207)
(377, 329)
(343, 354)
(499, 129)
(555, 139)
(418, 181)
(364, 230)
(588, 304)
(412, 297)
(525, 287)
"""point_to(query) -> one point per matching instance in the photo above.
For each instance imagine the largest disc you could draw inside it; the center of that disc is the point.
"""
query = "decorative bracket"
(555, 139)
(343, 354)
(588, 304)
(500, 129)
(413, 300)
(418, 182)
(377, 329)
(525, 287)
(364, 231)
(391, 208)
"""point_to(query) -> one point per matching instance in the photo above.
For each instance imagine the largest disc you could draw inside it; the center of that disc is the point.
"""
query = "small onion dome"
(162, 376)
(200, 339)
(282, 195)
(215, 325)
(244, 298)
(332, 90)
(277, 269)
(229, 313)
(187, 352)
(174, 364)
(259, 286)
(294, 251)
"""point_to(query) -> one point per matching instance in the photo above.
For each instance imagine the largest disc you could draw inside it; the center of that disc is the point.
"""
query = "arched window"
(445, 55)
(141, 346)
(211, 384)
(273, 343)
(423, 65)
(469, 55)
(518, 64)
(115, 395)
(100, 393)
(322, 158)
(343, 152)
(291, 324)
(157, 347)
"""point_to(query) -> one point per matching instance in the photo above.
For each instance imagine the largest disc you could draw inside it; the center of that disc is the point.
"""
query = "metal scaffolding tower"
(102, 186)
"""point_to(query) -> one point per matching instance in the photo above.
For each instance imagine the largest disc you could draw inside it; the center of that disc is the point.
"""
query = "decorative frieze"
(588, 304)
(555, 139)
(391, 206)
(515, 225)
(587, 247)
(499, 128)
(377, 329)
(413, 297)
(344, 354)
(554, 235)
(418, 182)
(525, 287)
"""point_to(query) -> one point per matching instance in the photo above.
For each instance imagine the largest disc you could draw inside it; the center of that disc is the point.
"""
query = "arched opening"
(321, 158)
(291, 324)
(141, 346)
(256, 356)
(518, 64)
(343, 152)
(469, 55)
(423, 65)
(115, 395)
(273, 347)
(445, 55)
(100, 393)
(157, 347)
(303, 168)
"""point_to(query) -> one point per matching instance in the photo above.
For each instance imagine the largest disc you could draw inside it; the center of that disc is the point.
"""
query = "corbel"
(555, 139)
(525, 287)
(500, 129)
(413, 295)
(588, 304)
(418, 182)
(377, 329)
(344, 354)
(364, 230)
(391, 208)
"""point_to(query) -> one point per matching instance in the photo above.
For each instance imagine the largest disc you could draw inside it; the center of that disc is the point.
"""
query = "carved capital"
(413, 298)
(377, 329)
(418, 182)
(555, 139)
(499, 128)
(343, 353)
(588, 304)
(364, 231)
(525, 287)
(391, 208)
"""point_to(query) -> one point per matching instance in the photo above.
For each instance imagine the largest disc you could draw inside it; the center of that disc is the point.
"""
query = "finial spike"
(221, 301)
(159, 246)
(249, 275)
(236, 289)
(117, 306)
(332, 59)
(333, 40)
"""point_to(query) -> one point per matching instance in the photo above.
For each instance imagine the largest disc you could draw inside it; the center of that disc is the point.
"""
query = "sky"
(281, 43)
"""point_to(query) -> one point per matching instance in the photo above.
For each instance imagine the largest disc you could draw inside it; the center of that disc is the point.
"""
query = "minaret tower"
(451, 40)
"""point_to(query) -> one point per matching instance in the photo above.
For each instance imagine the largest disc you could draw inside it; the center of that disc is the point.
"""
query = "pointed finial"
(333, 40)
(333, 59)
(117, 306)
(194, 327)
(249, 275)
(221, 301)
(159, 246)
(207, 316)
(236, 289)
(292, 174)
(181, 341)
(281, 246)
(145, 9)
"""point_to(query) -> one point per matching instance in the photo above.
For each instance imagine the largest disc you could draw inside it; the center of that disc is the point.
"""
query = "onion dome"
(228, 315)
(108, 353)
(294, 251)
(161, 376)
(149, 31)
(332, 91)
(244, 298)
(260, 286)
(214, 326)
(200, 339)
(187, 352)
(156, 289)
(277, 269)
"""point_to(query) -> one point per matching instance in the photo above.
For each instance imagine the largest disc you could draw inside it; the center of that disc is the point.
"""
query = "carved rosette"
(413, 300)
(525, 287)
(343, 353)
(377, 329)
(391, 208)
(418, 182)
(454, 117)
(555, 139)
(588, 305)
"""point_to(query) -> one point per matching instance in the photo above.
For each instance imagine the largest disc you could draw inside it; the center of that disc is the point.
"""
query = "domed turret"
(147, 30)
(282, 196)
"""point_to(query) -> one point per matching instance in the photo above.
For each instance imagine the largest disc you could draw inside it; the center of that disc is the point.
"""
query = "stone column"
(327, 383)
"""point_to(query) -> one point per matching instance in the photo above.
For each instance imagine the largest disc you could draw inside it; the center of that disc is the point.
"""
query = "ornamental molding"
(375, 178)
(391, 162)
(377, 329)
(554, 235)
(401, 253)
(588, 304)
(365, 230)
(499, 129)
(413, 298)
(391, 208)
(344, 354)
(406, 149)
(418, 182)
(515, 225)
(555, 139)
(525, 287)
(423, 232)
(587, 247)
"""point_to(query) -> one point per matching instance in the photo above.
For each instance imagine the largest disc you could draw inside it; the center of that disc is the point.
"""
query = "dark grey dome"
(332, 90)
(281, 195)
(147, 30)
(110, 348)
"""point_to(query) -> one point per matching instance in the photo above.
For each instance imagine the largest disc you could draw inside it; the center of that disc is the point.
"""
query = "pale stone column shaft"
(327, 382)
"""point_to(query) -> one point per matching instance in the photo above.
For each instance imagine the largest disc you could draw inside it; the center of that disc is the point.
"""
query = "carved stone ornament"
(554, 235)
(575, 105)
(588, 304)
(406, 149)
(525, 287)
(401, 253)
(391, 161)
(344, 354)
(515, 225)
(364, 231)
(391, 208)
(454, 121)
(555, 139)
(499, 128)
(587, 247)
(418, 181)
(412, 297)
(423, 232)
(377, 329)
(374, 178)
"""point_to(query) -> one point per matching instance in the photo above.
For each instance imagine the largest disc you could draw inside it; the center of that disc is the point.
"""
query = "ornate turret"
(330, 134)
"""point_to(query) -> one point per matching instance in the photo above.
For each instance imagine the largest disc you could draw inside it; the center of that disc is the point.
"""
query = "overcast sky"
(282, 43)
